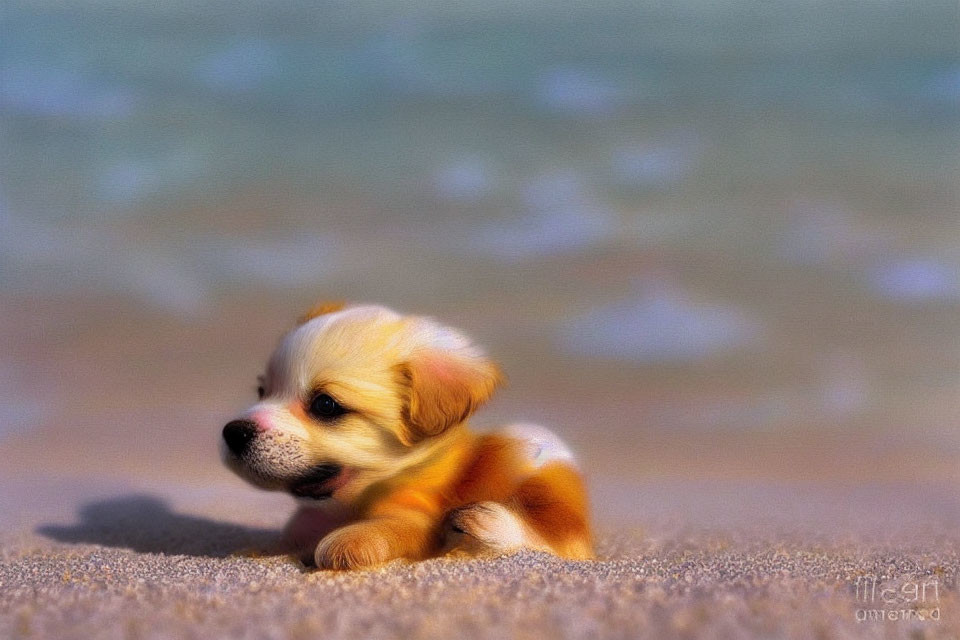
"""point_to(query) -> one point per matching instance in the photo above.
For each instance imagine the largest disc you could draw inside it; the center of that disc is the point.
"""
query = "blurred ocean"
(744, 213)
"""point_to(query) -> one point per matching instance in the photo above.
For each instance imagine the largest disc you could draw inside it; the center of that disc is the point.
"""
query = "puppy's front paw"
(352, 547)
(485, 527)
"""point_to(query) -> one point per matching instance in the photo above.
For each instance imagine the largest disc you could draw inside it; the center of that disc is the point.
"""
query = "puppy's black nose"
(238, 435)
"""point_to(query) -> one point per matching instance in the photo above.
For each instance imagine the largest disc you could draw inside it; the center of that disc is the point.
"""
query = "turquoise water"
(110, 105)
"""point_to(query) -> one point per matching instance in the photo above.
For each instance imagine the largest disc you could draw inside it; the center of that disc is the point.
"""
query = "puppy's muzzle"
(238, 434)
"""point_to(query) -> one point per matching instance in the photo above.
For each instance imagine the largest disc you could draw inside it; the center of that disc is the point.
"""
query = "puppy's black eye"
(261, 392)
(325, 407)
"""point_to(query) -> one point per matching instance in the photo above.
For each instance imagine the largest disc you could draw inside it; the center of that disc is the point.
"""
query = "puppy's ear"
(442, 387)
(320, 309)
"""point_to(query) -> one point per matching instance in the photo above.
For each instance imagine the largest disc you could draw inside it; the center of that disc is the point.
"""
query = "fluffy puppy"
(363, 417)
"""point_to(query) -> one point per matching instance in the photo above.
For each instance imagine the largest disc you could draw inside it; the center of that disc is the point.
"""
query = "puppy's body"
(363, 416)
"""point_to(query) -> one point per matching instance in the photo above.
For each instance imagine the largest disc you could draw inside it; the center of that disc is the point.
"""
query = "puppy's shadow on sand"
(145, 523)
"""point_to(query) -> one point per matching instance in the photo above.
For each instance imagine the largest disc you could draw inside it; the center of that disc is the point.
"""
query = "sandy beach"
(128, 558)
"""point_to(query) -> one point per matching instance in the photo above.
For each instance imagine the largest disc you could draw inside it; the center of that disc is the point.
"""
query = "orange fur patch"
(554, 503)
(494, 472)
(443, 390)
(408, 518)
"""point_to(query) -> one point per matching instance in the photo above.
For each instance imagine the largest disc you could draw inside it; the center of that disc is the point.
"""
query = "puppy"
(363, 417)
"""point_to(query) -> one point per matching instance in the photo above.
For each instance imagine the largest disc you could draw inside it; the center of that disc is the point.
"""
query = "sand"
(118, 557)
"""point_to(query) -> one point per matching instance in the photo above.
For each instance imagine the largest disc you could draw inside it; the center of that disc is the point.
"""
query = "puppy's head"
(354, 395)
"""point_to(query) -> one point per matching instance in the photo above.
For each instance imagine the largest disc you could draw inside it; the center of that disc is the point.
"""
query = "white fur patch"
(542, 445)
(498, 527)
(494, 526)
(273, 416)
